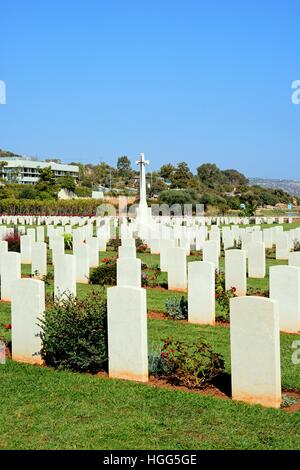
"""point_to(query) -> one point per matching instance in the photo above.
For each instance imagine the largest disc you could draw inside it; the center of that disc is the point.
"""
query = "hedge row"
(49, 207)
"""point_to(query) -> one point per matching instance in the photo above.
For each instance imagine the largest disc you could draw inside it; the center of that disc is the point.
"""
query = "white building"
(26, 171)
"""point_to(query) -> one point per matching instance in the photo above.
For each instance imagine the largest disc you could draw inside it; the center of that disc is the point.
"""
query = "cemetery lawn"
(45, 409)
(41, 408)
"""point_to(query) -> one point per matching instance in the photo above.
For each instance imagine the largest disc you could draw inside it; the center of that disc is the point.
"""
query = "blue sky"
(199, 81)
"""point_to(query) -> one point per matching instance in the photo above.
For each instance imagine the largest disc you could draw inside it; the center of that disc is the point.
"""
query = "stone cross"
(142, 162)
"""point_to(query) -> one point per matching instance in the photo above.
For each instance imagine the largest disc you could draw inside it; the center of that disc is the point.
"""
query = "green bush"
(105, 274)
(177, 308)
(82, 191)
(13, 242)
(192, 365)
(68, 239)
(74, 334)
(13, 206)
(113, 244)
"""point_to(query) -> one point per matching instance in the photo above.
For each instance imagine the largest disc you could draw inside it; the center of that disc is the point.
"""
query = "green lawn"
(41, 408)
(45, 409)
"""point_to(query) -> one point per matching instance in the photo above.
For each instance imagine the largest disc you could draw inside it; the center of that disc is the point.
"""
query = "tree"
(235, 178)
(67, 182)
(166, 171)
(182, 176)
(47, 185)
(124, 167)
(156, 187)
(210, 175)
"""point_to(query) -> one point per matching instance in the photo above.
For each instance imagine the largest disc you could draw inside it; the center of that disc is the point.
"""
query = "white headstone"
(255, 351)
(285, 289)
(82, 263)
(211, 252)
(127, 333)
(256, 260)
(26, 249)
(127, 251)
(65, 276)
(10, 271)
(39, 259)
(129, 272)
(27, 309)
(177, 269)
(294, 258)
(201, 293)
(235, 271)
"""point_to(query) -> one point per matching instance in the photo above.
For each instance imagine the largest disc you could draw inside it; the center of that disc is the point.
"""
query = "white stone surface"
(39, 259)
(127, 252)
(27, 309)
(127, 333)
(65, 277)
(165, 245)
(10, 271)
(81, 253)
(201, 293)
(129, 272)
(285, 289)
(256, 260)
(93, 251)
(255, 351)
(294, 259)
(236, 271)
(26, 249)
(211, 252)
(40, 234)
(58, 248)
(177, 269)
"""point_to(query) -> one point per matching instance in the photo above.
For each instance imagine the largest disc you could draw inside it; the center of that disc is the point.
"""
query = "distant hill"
(290, 186)
(7, 154)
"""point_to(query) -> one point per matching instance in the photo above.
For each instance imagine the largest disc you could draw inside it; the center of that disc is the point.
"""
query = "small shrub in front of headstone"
(113, 244)
(193, 365)
(223, 297)
(177, 308)
(74, 333)
(13, 242)
(68, 239)
(105, 274)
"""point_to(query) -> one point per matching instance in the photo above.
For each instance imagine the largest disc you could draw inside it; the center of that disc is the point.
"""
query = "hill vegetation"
(222, 191)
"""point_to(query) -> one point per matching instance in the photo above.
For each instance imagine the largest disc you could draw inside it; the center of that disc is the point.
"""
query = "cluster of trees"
(47, 187)
(209, 185)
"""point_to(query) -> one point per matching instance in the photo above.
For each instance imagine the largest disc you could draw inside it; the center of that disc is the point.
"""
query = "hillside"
(290, 186)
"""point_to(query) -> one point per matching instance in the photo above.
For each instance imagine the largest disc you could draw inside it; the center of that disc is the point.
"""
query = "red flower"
(233, 289)
(216, 296)
(8, 326)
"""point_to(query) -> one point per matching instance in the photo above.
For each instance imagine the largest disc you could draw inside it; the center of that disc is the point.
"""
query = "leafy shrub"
(74, 334)
(14, 206)
(106, 273)
(193, 365)
(113, 244)
(141, 248)
(296, 245)
(82, 191)
(68, 239)
(13, 241)
(177, 308)
(158, 365)
(223, 297)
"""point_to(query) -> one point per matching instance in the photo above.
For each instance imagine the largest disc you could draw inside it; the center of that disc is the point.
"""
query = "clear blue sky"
(200, 81)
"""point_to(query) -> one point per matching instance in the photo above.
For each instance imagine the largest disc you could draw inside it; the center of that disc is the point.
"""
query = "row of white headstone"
(254, 338)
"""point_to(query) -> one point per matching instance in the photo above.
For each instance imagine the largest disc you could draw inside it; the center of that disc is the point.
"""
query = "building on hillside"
(26, 171)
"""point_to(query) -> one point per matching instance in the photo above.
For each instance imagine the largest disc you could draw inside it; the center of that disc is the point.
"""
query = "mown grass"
(45, 409)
